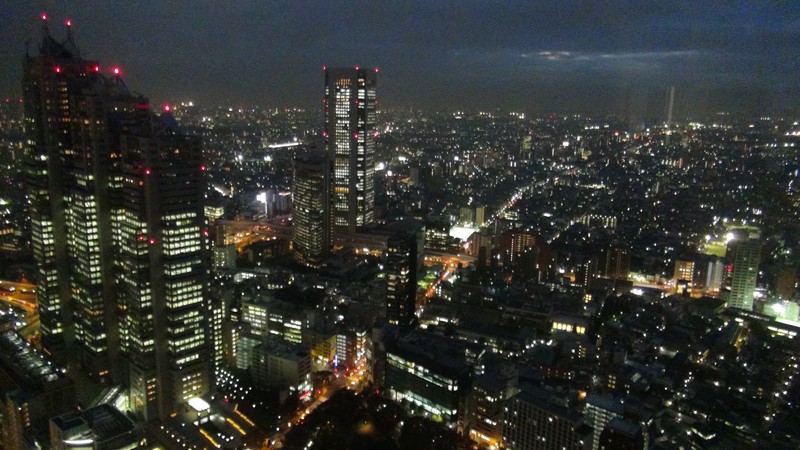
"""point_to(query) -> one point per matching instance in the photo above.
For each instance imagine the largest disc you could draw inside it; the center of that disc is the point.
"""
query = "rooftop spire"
(45, 29)
(70, 44)
(51, 47)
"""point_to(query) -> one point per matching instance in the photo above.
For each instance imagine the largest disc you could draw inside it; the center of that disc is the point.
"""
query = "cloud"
(565, 56)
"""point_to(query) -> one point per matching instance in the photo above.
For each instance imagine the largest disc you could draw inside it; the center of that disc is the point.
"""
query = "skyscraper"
(71, 163)
(401, 278)
(163, 288)
(311, 228)
(117, 228)
(743, 257)
(350, 132)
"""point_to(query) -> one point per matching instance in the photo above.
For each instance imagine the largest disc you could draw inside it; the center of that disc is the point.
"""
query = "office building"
(311, 230)
(31, 391)
(118, 226)
(437, 234)
(103, 427)
(164, 288)
(350, 132)
(428, 376)
(401, 279)
(74, 114)
(279, 365)
(530, 422)
(684, 270)
(487, 403)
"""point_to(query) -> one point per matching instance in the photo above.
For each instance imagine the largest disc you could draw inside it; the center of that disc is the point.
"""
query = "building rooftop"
(559, 411)
(30, 370)
(441, 355)
(100, 423)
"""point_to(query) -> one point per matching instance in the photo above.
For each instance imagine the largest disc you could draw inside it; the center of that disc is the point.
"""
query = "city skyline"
(181, 274)
(619, 57)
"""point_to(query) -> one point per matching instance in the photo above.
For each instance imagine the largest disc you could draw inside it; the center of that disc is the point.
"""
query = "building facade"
(350, 136)
(401, 279)
(72, 177)
(164, 289)
(118, 230)
(743, 257)
(311, 230)
(531, 423)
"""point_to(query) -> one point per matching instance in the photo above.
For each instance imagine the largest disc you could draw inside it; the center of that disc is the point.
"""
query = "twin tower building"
(119, 235)
(334, 189)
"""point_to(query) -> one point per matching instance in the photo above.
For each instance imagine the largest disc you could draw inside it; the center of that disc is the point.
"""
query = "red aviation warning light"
(43, 16)
(147, 171)
(376, 70)
(356, 67)
(324, 67)
(96, 68)
(355, 135)
(205, 232)
(68, 22)
(203, 167)
(152, 241)
(167, 108)
(115, 70)
(58, 69)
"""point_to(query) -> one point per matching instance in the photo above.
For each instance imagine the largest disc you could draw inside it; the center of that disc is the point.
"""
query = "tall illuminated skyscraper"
(743, 256)
(350, 132)
(164, 281)
(73, 183)
(117, 225)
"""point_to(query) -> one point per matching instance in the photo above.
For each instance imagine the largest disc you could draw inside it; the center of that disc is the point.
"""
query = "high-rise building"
(743, 257)
(311, 229)
(164, 282)
(587, 271)
(73, 117)
(401, 278)
(350, 132)
(615, 263)
(116, 207)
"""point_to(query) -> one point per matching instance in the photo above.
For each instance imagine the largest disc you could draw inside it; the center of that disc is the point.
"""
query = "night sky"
(592, 56)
